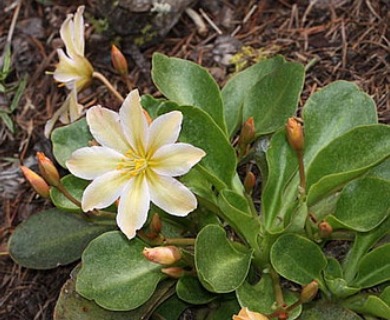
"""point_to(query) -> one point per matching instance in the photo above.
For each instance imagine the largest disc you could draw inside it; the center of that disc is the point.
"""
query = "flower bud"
(294, 131)
(249, 182)
(173, 272)
(48, 171)
(163, 255)
(248, 132)
(36, 181)
(309, 292)
(324, 229)
(246, 314)
(119, 61)
(155, 224)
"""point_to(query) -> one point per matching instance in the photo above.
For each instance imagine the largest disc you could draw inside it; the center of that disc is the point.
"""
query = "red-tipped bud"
(324, 229)
(163, 255)
(294, 132)
(173, 272)
(249, 182)
(119, 61)
(36, 181)
(246, 314)
(48, 171)
(309, 292)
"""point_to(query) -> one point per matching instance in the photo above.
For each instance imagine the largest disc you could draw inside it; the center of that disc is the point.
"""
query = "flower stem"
(302, 177)
(66, 193)
(277, 289)
(107, 83)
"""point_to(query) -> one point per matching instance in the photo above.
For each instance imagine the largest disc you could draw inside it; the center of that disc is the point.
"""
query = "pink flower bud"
(119, 61)
(246, 314)
(173, 272)
(48, 171)
(294, 131)
(309, 292)
(163, 255)
(36, 181)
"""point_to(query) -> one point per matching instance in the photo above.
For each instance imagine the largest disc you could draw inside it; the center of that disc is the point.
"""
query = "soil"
(335, 39)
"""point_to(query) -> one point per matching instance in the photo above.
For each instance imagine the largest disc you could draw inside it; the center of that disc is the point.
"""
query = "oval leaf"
(115, 273)
(374, 268)
(345, 158)
(187, 83)
(68, 139)
(221, 266)
(364, 204)
(237, 88)
(298, 259)
(369, 304)
(52, 238)
(190, 290)
(325, 310)
(274, 98)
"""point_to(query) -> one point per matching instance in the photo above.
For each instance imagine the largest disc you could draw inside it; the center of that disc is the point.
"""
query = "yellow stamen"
(132, 164)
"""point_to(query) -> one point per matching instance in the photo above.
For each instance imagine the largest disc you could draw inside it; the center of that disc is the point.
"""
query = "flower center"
(132, 164)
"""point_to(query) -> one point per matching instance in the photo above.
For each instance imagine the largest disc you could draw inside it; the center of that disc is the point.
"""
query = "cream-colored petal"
(52, 121)
(134, 124)
(78, 28)
(104, 190)
(91, 162)
(105, 127)
(133, 206)
(164, 130)
(175, 159)
(170, 195)
(67, 34)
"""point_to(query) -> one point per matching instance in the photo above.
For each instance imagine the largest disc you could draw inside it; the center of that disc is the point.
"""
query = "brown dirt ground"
(340, 39)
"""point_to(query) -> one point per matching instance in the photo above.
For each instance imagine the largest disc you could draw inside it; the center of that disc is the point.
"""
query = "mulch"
(337, 39)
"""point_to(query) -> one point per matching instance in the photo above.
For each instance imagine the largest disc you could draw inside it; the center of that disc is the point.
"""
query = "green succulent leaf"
(346, 158)
(363, 204)
(187, 83)
(52, 238)
(115, 274)
(374, 267)
(68, 139)
(170, 309)
(219, 164)
(381, 171)
(331, 112)
(298, 259)
(260, 297)
(369, 304)
(274, 98)
(222, 266)
(75, 186)
(237, 88)
(282, 164)
(71, 306)
(190, 290)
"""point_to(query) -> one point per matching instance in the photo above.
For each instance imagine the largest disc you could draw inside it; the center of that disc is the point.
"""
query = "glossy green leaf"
(282, 164)
(364, 204)
(237, 88)
(374, 267)
(75, 186)
(52, 238)
(151, 104)
(298, 259)
(326, 310)
(345, 158)
(331, 112)
(190, 290)
(201, 131)
(68, 139)
(369, 304)
(363, 242)
(261, 297)
(237, 213)
(187, 83)
(381, 171)
(71, 306)
(222, 267)
(115, 274)
(274, 98)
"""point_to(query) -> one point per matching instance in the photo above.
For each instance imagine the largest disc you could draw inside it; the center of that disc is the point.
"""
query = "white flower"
(136, 162)
(69, 112)
(73, 68)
